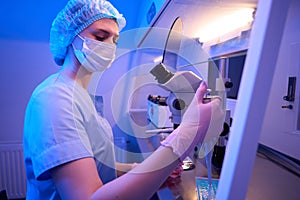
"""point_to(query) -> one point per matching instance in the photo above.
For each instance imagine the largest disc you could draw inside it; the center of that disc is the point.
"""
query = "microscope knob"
(178, 104)
(228, 84)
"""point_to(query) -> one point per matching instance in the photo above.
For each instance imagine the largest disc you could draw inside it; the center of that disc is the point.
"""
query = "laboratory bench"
(268, 179)
(184, 187)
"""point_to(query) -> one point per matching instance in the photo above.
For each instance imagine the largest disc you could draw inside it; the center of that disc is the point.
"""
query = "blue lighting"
(31, 20)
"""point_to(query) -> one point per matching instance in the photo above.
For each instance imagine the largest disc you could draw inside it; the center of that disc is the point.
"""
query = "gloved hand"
(200, 121)
(177, 172)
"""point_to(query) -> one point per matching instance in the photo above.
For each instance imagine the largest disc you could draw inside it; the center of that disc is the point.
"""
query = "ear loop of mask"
(77, 51)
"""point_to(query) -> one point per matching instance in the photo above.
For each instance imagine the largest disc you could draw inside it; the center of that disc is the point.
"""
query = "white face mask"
(94, 55)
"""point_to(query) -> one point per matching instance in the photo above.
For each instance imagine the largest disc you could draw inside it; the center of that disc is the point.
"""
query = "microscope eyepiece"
(161, 73)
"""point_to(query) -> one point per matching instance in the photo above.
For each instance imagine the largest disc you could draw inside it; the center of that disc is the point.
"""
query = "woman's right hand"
(200, 121)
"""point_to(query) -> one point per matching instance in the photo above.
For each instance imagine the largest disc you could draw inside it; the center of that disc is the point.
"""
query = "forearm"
(143, 180)
(123, 168)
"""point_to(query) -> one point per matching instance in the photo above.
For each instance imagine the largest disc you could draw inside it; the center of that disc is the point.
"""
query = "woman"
(67, 146)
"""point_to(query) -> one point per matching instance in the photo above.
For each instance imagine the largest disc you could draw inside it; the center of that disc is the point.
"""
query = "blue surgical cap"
(74, 18)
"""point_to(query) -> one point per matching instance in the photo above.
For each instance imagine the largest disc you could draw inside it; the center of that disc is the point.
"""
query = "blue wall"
(25, 56)
(31, 19)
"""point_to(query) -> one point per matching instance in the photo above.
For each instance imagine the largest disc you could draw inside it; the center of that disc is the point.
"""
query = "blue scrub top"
(62, 125)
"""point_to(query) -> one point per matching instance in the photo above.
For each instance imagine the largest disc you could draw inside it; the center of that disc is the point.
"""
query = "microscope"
(182, 86)
(166, 112)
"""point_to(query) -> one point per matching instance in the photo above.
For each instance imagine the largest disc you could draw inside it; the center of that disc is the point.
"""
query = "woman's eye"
(100, 38)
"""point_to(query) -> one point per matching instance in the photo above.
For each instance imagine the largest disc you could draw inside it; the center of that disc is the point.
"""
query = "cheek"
(109, 41)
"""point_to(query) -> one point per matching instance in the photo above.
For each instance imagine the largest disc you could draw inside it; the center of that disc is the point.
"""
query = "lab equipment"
(158, 112)
(205, 189)
(220, 149)
(182, 86)
(74, 18)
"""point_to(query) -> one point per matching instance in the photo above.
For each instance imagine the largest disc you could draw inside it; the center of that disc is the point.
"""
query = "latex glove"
(199, 120)
(133, 165)
(177, 172)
